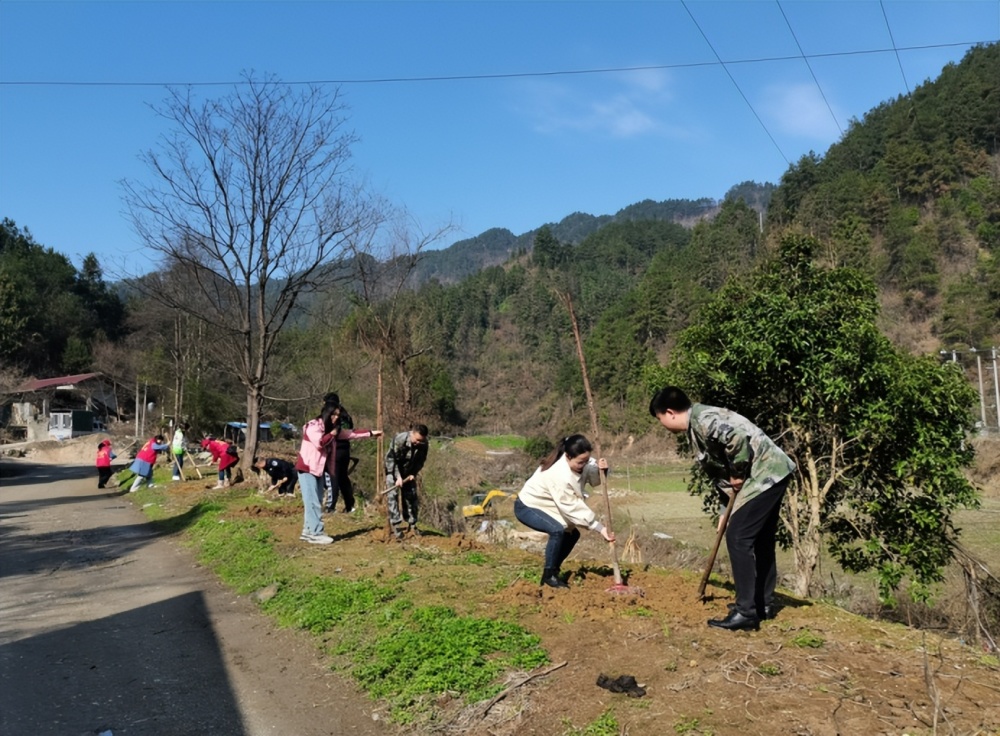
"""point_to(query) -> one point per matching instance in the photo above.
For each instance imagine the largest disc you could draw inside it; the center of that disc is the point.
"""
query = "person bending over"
(739, 459)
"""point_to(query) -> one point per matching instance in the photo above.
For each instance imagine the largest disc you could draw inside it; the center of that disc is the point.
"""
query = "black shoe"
(551, 578)
(735, 621)
(349, 511)
(397, 533)
(769, 611)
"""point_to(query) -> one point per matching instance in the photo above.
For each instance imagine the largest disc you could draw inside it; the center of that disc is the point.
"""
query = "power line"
(895, 50)
(505, 75)
(809, 66)
(735, 84)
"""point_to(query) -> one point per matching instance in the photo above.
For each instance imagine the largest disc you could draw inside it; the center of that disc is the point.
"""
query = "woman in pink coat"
(316, 456)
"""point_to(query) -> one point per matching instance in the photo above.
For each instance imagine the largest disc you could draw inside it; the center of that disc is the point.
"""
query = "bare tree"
(252, 200)
(381, 273)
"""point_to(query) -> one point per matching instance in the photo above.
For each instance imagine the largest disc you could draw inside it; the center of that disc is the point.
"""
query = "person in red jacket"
(144, 461)
(104, 458)
(226, 455)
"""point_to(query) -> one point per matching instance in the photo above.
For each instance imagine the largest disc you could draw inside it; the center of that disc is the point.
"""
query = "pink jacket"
(316, 454)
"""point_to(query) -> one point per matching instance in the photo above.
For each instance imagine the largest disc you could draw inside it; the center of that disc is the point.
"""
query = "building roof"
(40, 384)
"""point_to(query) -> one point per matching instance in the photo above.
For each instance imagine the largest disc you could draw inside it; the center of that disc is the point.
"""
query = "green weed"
(240, 551)
(638, 612)
(604, 725)
(770, 669)
(475, 558)
(434, 650)
(807, 639)
(500, 441)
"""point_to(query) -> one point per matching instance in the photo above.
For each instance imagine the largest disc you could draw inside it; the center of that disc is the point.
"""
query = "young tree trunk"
(804, 508)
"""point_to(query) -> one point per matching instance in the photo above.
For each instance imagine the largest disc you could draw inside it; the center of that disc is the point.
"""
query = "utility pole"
(996, 387)
(982, 398)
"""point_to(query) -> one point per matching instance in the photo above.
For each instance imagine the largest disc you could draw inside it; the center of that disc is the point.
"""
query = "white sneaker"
(316, 538)
(175, 478)
(219, 485)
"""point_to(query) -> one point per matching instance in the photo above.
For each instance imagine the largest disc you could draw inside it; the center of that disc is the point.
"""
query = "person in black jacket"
(404, 460)
(340, 482)
(282, 473)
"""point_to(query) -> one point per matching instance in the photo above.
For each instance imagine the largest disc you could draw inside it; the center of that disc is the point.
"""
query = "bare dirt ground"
(815, 670)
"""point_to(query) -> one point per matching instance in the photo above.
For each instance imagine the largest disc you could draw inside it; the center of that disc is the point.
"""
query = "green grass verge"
(398, 652)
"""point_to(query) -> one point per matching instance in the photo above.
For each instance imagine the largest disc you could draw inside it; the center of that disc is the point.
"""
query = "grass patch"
(434, 650)
(806, 639)
(651, 478)
(500, 441)
(241, 552)
(398, 652)
(604, 725)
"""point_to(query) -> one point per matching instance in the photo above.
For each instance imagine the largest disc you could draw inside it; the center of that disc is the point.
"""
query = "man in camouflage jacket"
(740, 459)
(404, 460)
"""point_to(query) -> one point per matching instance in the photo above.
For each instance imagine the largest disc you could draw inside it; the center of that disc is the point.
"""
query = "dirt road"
(107, 627)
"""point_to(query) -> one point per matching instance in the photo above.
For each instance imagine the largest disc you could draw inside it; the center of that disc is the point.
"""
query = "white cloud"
(624, 105)
(799, 110)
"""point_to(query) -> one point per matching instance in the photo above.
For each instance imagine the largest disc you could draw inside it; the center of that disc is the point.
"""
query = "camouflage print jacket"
(729, 445)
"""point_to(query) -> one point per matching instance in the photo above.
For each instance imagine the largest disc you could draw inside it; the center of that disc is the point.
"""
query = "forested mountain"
(911, 196)
(496, 246)
(480, 340)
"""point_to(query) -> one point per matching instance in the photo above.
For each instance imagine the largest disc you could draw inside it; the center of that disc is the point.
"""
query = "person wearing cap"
(282, 473)
(551, 501)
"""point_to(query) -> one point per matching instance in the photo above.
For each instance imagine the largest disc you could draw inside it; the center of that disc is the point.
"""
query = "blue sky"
(565, 106)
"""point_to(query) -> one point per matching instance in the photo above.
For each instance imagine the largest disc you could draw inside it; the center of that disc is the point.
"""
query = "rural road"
(106, 627)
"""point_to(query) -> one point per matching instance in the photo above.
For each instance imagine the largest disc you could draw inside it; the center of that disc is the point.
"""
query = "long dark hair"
(327, 415)
(571, 446)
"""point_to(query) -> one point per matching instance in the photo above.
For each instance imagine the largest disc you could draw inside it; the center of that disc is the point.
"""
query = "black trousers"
(339, 484)
(103, 476)
(750, 539)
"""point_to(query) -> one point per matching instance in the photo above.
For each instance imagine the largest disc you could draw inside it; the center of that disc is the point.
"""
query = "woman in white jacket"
(551, 502)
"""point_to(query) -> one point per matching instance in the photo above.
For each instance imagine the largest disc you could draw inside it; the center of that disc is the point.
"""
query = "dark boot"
(736, 621)
(551, 578)
(770, 611)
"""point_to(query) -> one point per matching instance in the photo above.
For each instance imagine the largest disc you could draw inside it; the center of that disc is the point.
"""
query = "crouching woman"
(550, 502)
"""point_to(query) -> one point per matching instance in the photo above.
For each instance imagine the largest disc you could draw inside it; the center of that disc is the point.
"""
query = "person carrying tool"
(404, 460)
(225, 454)
(144, 461)
(178, 449)
(282, 473)
(551, 502)
(740, 459)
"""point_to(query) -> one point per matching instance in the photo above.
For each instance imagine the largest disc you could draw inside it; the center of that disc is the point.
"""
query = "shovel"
(715, 549)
